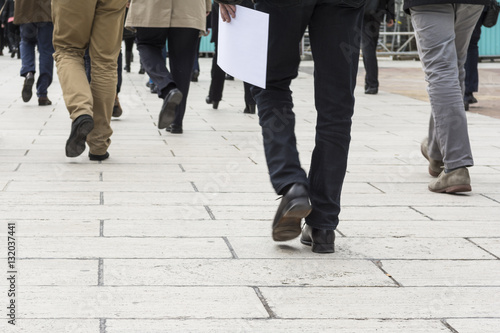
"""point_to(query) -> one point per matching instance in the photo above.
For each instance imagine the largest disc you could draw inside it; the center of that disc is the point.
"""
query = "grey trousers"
(443, 33)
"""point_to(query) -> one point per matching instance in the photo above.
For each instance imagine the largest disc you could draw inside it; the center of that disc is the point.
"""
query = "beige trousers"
(98, 26)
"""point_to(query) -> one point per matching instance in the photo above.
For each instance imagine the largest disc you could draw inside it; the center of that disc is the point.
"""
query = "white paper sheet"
(242, 48)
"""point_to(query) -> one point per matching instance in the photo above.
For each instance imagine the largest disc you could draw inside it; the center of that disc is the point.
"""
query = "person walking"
(98, 26)
(35, 21)
(335, 48)
(178, 23)
(443, 31)
(218, 75)
(375, 11)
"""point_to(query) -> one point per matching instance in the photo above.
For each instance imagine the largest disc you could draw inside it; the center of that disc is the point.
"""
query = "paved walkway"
(172, 233)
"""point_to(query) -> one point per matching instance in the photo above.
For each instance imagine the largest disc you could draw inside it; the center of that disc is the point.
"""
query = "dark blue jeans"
(335, 33)
(471, 73)
(182, 44)
(33, 34)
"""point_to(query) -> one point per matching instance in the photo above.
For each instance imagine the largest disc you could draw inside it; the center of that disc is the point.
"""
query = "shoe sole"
(453, 189)
(75, 145)
(288, 226)
(431, 172)
(167, 113)
(28, 89)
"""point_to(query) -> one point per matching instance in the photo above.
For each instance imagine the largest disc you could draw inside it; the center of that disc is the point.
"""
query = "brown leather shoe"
(117, 108)
(435, 166)
(454, 181)
(42, 101)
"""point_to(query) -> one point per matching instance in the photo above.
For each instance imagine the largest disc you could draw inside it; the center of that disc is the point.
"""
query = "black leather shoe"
(215, 104)
(93, 157)
(293, 208)
(29, 79)
(43, 101)
(80, 128)
(371, 91)
(322, 241)
(249, 108)
(167, 113)
(174, 129)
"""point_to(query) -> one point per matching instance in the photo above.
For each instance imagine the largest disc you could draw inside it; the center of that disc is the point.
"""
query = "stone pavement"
(172, 233)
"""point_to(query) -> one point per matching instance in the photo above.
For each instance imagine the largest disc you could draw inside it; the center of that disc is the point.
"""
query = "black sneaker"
(80, 128)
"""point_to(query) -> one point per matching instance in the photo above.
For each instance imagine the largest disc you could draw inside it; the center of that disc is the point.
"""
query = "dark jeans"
(334, 32)
(471, 73)
(33, 34)
(182, 43)
(369, 41)
(218, 80)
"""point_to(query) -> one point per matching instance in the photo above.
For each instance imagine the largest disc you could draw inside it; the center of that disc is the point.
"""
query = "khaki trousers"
(98, 26)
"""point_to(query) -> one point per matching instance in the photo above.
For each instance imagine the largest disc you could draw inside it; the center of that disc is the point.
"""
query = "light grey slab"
(49, 198)
(103, 212)
(276, 325)
(483, 325)
(55, 228)
(141, 302)
(395, 303)
(114, 247)
(433, 229)
(53, 326)
(188, 228)
(491, 245)
(446, 273)
(52, 176)
(243, 272)
(71, 186)
(362, 248)
(461, 213)
(57, 272)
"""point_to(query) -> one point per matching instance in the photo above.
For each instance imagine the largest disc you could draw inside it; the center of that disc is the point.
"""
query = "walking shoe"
(117, 108)
(454, 181)
(167, 112)
(293, 208)
(42, 101)
(371, 91)
(435, 166)
(27, 92)
(174, 129)
(209, 100)
(321, 241)
(94, 157)
(469, 98)
(80, 128)
(249, 108)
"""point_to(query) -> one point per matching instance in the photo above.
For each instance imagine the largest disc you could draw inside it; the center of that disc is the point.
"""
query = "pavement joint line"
(100, 176)
(340, 233)
(375, 187)
(421, 213)
(378, 263)
(40, 132)
(17, 168)
(33, 142)
(6, 185)
(100, 273)
(172, 152)
(231, 248)
(102, 325)
(101, 198)
(448, 326)
(101, 228)
(182, 168)
(487, 197)
(210, 213)
(482, 248)
(371, 148)
(264, 302)
(235, 146)
(194, 187)
(253, 161)
(213, 128)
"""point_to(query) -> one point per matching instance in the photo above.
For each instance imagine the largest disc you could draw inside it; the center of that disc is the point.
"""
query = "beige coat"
(168, 13)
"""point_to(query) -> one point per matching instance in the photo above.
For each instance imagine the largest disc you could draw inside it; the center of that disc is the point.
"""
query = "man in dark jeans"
(375, 10)
(334, 28)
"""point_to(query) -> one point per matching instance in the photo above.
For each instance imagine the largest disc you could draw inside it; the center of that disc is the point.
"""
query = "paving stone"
(371, 303)
(55, 228)
(362, 248)
(141, 302)
(276, 325)
(239, 272)
(53, 326)
(114, 247)
(57, 186)
(445, 273)
(483, 325)
(57, 272)
(491, 245)
(461, 213)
